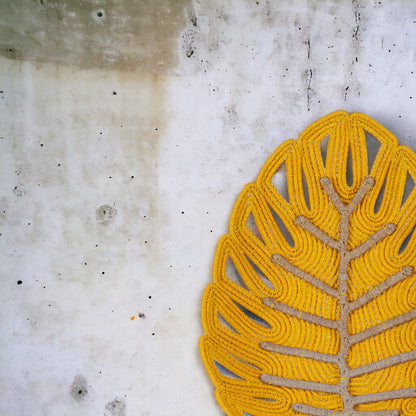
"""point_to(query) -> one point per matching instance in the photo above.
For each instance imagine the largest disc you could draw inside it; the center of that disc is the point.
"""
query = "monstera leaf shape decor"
(312, 309)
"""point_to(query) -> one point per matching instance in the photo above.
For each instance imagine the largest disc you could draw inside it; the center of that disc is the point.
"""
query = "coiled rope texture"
(312, 309)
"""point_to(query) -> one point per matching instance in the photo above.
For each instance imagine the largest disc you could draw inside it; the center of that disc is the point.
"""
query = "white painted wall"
(166, 128)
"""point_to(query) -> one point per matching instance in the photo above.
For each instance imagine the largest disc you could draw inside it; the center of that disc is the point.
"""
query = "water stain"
(105, 214)
(115, 408)
(124, 35)
(142, 148)
(79, 388)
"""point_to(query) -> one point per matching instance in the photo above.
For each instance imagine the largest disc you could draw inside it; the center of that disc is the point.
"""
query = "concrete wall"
(127, 130)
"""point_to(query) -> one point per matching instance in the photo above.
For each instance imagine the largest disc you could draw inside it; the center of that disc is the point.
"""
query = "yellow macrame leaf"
(312, 308)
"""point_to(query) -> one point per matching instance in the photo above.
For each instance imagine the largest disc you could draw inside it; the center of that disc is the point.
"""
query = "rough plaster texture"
(125, 139)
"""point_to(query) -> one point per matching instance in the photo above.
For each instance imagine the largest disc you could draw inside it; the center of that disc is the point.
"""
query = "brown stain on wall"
(134, 124)
(141, 145)
(83, 51)
(126, 35)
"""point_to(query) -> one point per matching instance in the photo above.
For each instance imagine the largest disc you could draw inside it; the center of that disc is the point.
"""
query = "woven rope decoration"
(312, 309)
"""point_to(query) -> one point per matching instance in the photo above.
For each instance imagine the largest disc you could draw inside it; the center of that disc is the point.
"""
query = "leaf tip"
(268, 302)
(264, 345)
(276, 258)
(369, 181)
(265, 378)
(300, 220)
(325, 181)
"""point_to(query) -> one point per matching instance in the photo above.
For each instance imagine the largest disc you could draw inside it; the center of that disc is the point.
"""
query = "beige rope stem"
(345, 307)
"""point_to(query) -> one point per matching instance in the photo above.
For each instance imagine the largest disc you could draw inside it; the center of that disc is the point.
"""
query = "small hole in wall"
(115, 408)
(99, 15)
(105, 214)
(19, 282)
(79, 388)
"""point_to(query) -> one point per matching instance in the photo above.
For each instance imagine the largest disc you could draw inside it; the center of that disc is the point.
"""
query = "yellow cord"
(233, 337)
